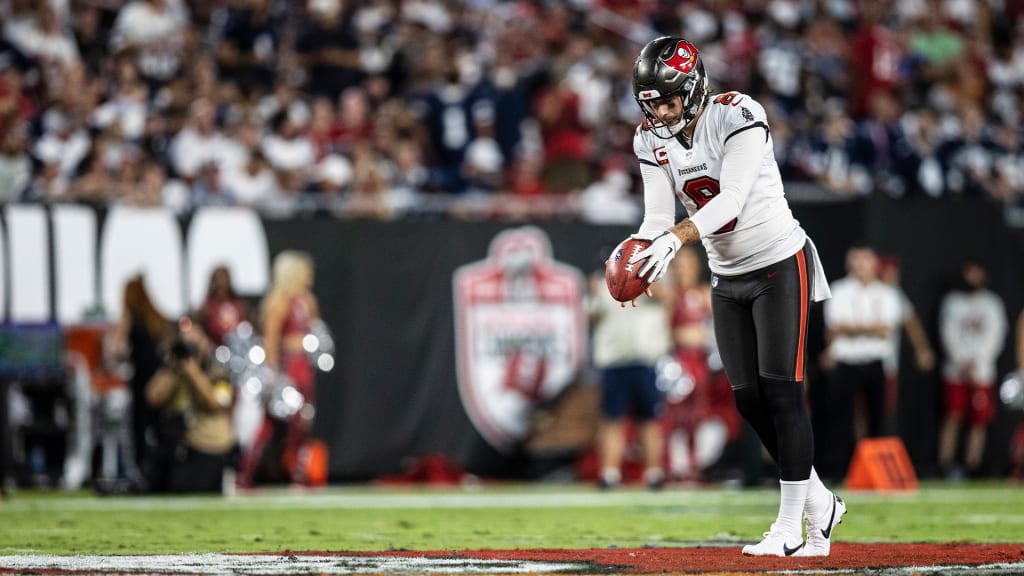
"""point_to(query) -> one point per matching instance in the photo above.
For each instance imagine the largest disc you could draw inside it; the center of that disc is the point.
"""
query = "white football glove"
(661, 251)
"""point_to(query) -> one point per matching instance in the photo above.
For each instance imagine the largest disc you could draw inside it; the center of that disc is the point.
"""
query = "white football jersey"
(765, 231)
(973, 330)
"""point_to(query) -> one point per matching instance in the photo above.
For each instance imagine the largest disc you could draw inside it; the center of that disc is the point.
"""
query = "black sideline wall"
(386, 292)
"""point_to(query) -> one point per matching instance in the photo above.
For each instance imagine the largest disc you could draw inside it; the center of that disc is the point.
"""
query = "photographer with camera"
(196, 442)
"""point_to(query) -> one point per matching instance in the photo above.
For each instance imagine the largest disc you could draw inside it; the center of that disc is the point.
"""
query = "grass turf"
(522, 516)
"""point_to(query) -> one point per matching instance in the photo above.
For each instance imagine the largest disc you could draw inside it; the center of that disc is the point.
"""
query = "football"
(623, 282)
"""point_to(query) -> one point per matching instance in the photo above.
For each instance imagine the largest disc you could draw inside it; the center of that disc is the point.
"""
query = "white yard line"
(287, 565)
(277, 564)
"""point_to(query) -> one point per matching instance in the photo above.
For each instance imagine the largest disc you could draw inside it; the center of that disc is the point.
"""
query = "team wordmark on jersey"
(520, 333)
(702, 167)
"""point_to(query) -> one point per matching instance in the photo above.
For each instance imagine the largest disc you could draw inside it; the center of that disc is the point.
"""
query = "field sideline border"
(469, 498)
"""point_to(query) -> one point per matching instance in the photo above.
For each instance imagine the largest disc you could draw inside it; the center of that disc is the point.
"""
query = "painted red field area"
(876, 559)
(845, 556)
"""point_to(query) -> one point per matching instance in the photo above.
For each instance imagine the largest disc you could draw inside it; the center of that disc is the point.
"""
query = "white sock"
(818, 496)
(611, 475)
(791, 508)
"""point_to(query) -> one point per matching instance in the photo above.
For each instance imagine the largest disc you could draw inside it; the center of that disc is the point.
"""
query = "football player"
(713, 152)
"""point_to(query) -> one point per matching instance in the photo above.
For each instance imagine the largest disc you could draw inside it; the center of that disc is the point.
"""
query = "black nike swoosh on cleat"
(828, 532)
(790, 551)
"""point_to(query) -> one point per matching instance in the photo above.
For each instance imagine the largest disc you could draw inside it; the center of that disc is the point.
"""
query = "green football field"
(498, 516)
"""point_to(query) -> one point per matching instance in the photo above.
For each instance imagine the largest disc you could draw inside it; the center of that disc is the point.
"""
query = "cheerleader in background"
(287, 312)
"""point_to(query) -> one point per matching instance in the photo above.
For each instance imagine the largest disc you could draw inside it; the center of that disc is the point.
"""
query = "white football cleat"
(819, 530)
(774, 544)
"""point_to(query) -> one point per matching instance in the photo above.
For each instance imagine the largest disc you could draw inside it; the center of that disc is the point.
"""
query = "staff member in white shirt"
(860, 319)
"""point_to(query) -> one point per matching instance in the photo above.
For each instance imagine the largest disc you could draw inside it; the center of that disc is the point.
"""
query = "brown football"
(623, 282)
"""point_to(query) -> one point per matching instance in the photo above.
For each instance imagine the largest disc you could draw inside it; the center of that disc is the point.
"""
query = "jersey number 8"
(701, 191)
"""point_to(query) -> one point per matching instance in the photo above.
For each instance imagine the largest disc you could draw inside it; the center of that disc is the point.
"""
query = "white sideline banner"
(144, 241)
(93, 260)
(74, 254)
(232, 237)
(29, 266)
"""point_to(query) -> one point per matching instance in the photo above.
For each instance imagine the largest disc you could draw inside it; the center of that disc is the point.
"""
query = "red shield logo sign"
(684, 58)
(520, 333)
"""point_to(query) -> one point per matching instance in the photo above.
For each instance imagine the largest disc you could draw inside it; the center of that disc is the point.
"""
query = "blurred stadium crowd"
(380, 108)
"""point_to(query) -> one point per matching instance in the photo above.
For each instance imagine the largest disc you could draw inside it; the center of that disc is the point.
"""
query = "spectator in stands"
(511, 96)
(355, 121)
(15, 106)
(286, 147)
(328, 47)
(90, 34)
(194, 397)
(859, 321)
(332, 184)
(626, 345)
(200, 142)
(879, 146)
(323, 128)
(46, 39)
(550, 69)
(65, 143)
(209, 188)
(972, 324)
(141, 333)
(780, 56)
(284, 96)
(371, 192)
(876, 53)
(125, 107)
(483, 166)
(151, 187)
(15, 164)
(969, 157)
(1008, 167)
(829, 155)
(154, 31)
(94, 185)
(922, 170)
(527, 176)
(254, 183)
(411, 177)
(294, 196)
(49, 185)
(286, 314)
(249, 44)
(826, 65)
(935, 46)
(1005, 71)
(565, 137)
(223, 309)
(609, 200)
